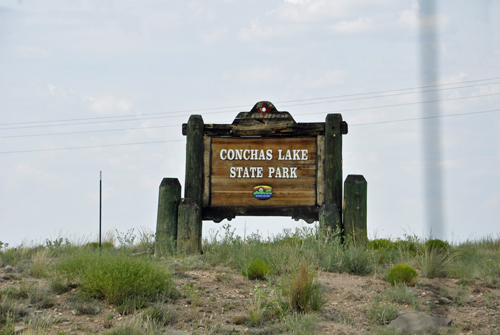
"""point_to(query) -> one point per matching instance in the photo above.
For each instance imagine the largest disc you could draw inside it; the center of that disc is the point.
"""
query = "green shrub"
(40, 298)
(406, 247)
(159, 313)
(59, 285)
(301, 289)
(257, 269)
(11, 310)
(356, 260)
(137, 326)
(39, 263)
(300, 324)
(402, 274)
(130, 305)
(434, 262)
(401, 294)
(380, 313)
(115, 277)
(381, 243)
(318, 297)
(437, 245)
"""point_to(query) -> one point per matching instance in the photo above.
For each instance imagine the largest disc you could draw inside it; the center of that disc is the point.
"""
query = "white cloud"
(108, 104)
(492, 202)
(54, 90)
(453, 78)
(259, 30)
(333, 77)
(31, 53)
(312, 10)
(409, 17)
(259, 74)
(318, 10)
(24, 170)
(213, 36)
(351, 27)
(200, 11)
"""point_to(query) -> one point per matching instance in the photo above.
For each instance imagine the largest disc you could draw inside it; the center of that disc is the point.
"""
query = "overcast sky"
(95, 77)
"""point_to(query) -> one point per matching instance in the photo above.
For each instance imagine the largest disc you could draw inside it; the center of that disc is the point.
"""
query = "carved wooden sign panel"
(263, 171)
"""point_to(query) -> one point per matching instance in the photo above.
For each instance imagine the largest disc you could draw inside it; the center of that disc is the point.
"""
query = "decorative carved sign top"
(264, 112)
(265, 120)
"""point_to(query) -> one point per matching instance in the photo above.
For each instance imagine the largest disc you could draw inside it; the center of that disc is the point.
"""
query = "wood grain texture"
(300, 191)
(355, 209)
(166, 222)
(193, 187)
(207, 142)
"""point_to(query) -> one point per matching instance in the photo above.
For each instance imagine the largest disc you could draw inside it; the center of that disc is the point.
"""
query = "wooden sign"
(263, 164)
(284, 168)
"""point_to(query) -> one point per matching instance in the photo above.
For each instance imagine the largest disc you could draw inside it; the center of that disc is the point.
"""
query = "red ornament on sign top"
(263, 109)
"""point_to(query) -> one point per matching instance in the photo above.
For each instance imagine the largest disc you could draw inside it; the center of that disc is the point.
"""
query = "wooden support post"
(193, 189)
(333, 174)
(329, 219)
(189, 229)
(189, 218)
(166, 222)
(355, 193)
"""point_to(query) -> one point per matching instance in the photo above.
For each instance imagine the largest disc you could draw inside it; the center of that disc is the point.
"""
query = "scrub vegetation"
(277, 282)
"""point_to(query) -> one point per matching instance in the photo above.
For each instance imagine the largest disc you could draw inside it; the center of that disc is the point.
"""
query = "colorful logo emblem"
(262, 192)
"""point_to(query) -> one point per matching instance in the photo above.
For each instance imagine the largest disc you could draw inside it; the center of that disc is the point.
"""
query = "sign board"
(265, 164)
(263, 171)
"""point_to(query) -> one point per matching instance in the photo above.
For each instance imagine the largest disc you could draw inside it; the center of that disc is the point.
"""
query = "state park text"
(263, 155)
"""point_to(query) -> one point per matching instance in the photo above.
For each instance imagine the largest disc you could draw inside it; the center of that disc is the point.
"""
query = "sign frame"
(264, 122)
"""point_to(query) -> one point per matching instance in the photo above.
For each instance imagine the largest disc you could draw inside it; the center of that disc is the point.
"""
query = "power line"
(342, 110)
(88, 131)
(423, 118)
(386, 96)
(87, 147)
(279, 102)
(402, 104)
(167, 141)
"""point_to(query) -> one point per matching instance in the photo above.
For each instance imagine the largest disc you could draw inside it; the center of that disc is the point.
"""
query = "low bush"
(433, 262)
(402, 274)
(301, 324)
(303, 291)
(115, 277)
(159, 313)
(401, 294)
(381, 313)
(10, 310)
(39, 263)
(410, 247)
(437, 245)
(381, 243)
(257, 269)
(137, 326)
(41, 298)
(356, 260)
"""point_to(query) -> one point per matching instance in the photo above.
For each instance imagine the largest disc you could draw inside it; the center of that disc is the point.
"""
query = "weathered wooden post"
(355, 194)
(189, 216)
(166, 222)
(189, 229)
(331, 211)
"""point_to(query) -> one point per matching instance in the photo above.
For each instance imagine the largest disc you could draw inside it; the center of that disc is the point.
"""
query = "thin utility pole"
(431, 129)
(100, 207)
